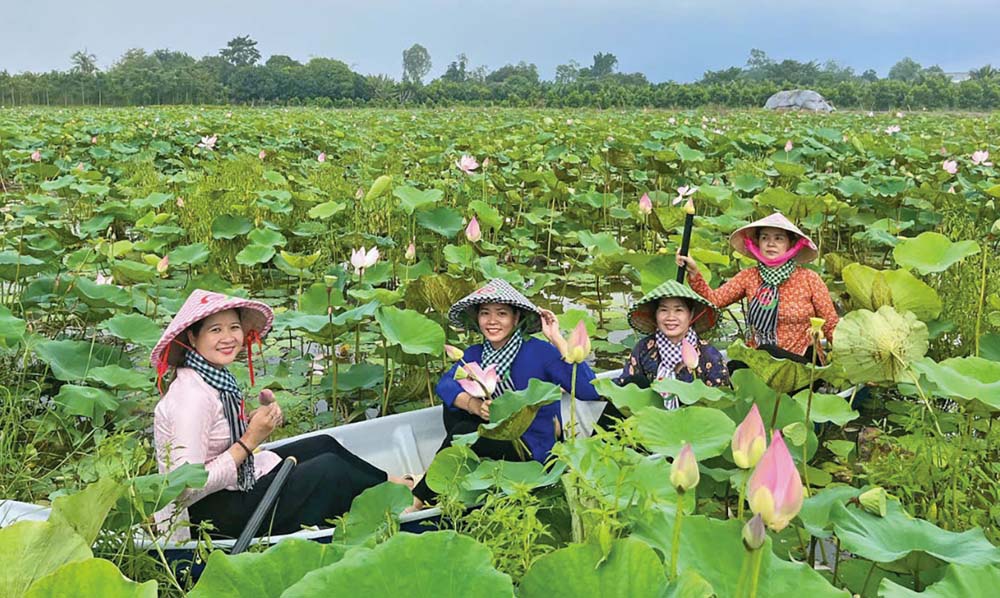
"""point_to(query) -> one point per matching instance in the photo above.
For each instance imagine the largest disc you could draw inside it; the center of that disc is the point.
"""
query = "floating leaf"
(229, 226)
(931, 252)
(253, 254)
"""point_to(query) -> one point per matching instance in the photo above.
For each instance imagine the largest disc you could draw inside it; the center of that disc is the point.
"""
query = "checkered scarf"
(232, 406)
(670, 357)
(503, 358)
(762, 314)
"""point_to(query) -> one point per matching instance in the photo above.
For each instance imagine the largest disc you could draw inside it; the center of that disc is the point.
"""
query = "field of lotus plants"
(362, 227)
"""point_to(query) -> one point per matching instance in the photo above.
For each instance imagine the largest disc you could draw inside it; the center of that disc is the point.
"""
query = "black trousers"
(462, 422)
(321, 487)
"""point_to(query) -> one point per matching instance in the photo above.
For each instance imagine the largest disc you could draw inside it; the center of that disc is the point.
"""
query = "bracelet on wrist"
(245, 447)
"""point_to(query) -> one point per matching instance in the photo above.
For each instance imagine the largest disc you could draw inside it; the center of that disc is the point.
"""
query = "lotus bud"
(689, 206)
(163, 264)
(874, 501)
(645, 205)
(454, 352)
(411, 251)
(321, 157)
(472, 232)
(775, 489)
(36, 156)
(262, 154)
(689, 355)
(816, 327)
(754, 533)
(578, 345)
(684, 474)
(789, 145)
(749, 440)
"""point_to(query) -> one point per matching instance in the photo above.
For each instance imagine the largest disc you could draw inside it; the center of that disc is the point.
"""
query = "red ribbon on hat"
(253, 337)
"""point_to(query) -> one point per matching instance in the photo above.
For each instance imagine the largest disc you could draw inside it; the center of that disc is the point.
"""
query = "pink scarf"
(751, 246)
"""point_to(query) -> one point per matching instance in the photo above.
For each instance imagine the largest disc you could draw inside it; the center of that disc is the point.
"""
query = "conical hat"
(255, 317)
(642, 315)
(775, 220)
(463, 314)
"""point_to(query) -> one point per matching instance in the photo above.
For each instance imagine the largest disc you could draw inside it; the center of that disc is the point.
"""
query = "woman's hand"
(266, 397)
(263, 421)
(685, 261)
(483, 409)
(550, 328)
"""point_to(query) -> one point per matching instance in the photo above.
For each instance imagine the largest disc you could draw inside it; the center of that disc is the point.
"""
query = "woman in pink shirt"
(202, 419)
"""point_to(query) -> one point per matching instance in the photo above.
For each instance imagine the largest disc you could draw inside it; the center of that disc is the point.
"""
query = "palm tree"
(984, 73)
(85, 67)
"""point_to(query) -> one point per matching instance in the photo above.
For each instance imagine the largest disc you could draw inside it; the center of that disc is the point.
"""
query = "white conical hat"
(775, 220)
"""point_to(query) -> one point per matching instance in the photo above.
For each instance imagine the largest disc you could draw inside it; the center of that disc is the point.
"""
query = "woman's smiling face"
(219, 339)
(497, 321)
(673, 318)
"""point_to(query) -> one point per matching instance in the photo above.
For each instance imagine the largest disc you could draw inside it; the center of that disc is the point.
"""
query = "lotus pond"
(111, 217)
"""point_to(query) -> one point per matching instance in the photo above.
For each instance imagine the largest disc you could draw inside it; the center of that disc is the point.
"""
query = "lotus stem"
(572, 404)
(809, 403)
(675, 544)
(982, 302)
(743, 496)
(758, 557)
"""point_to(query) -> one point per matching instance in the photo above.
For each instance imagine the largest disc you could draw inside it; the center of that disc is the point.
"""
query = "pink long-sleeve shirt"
(190, 427)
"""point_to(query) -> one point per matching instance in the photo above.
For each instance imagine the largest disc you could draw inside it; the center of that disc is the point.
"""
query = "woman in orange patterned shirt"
(782, 295)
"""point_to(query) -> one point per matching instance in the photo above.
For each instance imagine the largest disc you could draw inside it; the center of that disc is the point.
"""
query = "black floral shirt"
(641, 366)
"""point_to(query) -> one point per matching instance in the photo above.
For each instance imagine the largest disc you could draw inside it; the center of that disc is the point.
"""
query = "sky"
(666, 40)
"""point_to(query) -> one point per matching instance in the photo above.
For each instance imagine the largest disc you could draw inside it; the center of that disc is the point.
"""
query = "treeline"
(236, 76)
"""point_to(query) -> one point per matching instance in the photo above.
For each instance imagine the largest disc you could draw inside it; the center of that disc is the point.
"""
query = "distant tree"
(984, 72)
(604, 65)
(280, 61)
(758, 59)
(869, 75)
(416, 64)
(241, 51)
(84, 62)
(724, 76)
(457, 70)
(906, 69)
(567, 73)
(524, 70)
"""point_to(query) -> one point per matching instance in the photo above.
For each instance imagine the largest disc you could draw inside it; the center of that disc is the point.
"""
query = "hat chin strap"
(164, 363)
(781, 259)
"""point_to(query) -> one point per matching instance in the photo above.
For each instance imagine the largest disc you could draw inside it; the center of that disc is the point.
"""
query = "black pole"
(270, 497)
(685, 240)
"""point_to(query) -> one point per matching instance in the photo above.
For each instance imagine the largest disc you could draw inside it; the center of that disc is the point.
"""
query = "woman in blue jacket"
(505, 318)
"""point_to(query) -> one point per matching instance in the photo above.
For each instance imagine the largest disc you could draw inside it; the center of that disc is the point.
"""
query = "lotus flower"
(180, 202)
(473, 232)
(361, 260)
(480, 383)
(950, 166)
(682, 193)
(979, 158)
(754, 533)
(467, 164)
(262, 154)
(684, 474)
(671, 121)
(411, 251)
(789, 145)
(775, 488)
(749, 440)
(578, 346)
(36, 156)
(645, 205)
(93, 140)
(321, 157)
(689, 355)
(102, 279)
(900, 115)
(892, 129)
(208, 142)
(163, 264)
(454, 352)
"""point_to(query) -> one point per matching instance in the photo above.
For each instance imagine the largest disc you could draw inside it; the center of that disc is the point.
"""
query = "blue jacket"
(540, 360)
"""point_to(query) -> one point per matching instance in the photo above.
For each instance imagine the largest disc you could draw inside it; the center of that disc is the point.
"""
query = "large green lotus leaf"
(816, 509)
(629, 398)
(689, 392)
(86, 401)
(228, 226)
(783, 375)
(879, 346)
(326, 209)
(897, 536)
(708, 430)
(150, 493)
(264, 574)
(267, 236)
(135, 328)
(827, 408)
(959, 581)
(115, 376)
(448, 472)
(441, 564)
(931, 252)
(100, 295)
(510, 476)
(371, 511)
(513, 411)
(255, 254)
(790, 204)
(189, 255)
(93, 577)
(14, 266)
(412, 199)
(630, 569)
(130, 271)
(30, 550)
(414, 332)
(871, 289)
(989, 347)
(71, 360)
(968, 378)
(713, 548)
(11, 328)
(85, 511)
(690, 584)
(444, 221)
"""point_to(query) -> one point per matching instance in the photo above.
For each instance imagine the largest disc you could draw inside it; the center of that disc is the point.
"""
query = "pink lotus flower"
(180, 202)
(682, 193)
(467, 164)
(775, 488)
(208, 142)
(684, 474)
(480, 383)
(102, 279)
(454, 352)
(473, 232)
(163, 264)
(411, 251)
(789, 145)
(645, 205)
(749, 440)
(321, 157)
(36, 156)
(578, 345)
(979, 158)
(891, 129)
(262, 154)
(950, 166)
(362, 260)
(689, 355)
(93, 140)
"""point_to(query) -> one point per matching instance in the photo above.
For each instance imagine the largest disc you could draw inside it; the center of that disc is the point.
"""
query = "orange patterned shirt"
(802, 296)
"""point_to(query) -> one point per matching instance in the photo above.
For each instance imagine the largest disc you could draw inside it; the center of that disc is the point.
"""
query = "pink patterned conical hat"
(775, 220)
(255, 316)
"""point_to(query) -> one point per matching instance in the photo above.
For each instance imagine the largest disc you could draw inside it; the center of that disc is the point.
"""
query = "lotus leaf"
(134, 328)
(967, 378)
(189, 255)
(958, 580)
(412, 199)
(629, 398)
(827, 408)
(449, 470)
(11, 328)
(879, 346)
(370, 513)
(85, 511)
(871, 289)
(689, 393)
(931, 252)
(228, 226)
(783, 375)
(100, 295)
(86, 401)
(72, 360)
(98, 577)
(30, 550)
(628, 569)
(707, 429)
(415, 333)
(513, 411)
(254, 254)
(443, 220)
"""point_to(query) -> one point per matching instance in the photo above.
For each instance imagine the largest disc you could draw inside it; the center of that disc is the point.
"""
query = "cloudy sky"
(667, 39)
